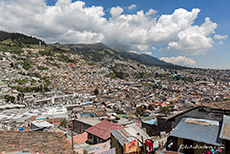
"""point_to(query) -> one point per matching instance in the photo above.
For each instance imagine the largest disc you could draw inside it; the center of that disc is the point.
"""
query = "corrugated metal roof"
(218, 105)
(137, 132)
(103, 128)
(122, 136)
(197, 132)
(225, 130)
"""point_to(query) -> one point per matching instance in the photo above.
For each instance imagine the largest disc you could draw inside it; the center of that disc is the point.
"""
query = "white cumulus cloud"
(180, 60)
(143, 47)
(74, 22)
(148, 53)
(132, 7)
(116, 11)
(194, 40)
(151, 12)
(220, 37)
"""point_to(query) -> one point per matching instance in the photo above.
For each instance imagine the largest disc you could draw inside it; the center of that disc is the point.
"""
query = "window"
(90, 136)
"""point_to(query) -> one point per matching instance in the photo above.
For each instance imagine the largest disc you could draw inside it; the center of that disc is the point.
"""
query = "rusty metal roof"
(225, 130)
(218, 105)
(103, 128)
(122, 136)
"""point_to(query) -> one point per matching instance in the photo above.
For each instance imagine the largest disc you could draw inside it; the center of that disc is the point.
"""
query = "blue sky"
(186, 32)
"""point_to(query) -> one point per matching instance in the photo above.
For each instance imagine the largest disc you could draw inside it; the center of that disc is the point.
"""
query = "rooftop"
(200, 130)
(218, 105)
(42, 124)
(103, 129)
(89, 121)
(225, 130)
(81, 138)
(46, 142)
(122, 136)
(151, 122)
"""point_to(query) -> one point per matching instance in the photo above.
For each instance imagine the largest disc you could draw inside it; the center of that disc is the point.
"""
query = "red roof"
(150, 103)
(103, 128)
(163, 104)
(148, 111)
(79, 138)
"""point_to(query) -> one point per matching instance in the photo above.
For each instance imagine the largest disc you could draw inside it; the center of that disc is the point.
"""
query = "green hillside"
(17, 39)
(98, 51)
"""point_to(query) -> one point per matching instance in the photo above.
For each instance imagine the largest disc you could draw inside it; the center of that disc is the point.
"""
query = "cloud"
(74, 22)
(220, 37)
(116, 11)
(132, 7)
(148, 53)
(194, 40)
(180, 60)
(133, 51)
(154, 48)
(221, 42)
(143, 47)
(161, 49)
(151, 12)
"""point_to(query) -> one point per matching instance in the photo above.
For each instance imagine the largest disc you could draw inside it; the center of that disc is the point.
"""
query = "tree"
(96, 92)
(150, 107)
(85, 151)
(171, 105)
(64, 123)
(140, 111)
(165, 110)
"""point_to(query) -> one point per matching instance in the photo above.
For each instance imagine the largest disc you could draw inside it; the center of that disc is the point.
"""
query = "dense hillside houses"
(55, 93)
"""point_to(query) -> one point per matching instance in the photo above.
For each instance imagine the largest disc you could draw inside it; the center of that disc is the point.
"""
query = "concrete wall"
(179, 142)
(80, 127)
(164, 125)
(115, 144)
(90, 138)
(151, 130)
(33, 126)
(95, 139)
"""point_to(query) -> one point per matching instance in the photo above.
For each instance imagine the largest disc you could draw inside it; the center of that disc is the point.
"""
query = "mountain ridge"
(98, 51)
(95, 51)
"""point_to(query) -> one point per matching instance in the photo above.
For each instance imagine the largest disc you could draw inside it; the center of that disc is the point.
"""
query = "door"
(188, 143)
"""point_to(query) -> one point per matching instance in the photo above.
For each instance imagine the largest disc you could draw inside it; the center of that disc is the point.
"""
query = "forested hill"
(18, 39)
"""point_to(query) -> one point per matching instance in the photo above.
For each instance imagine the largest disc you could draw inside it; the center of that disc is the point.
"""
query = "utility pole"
(72, 138)
(72, 135)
